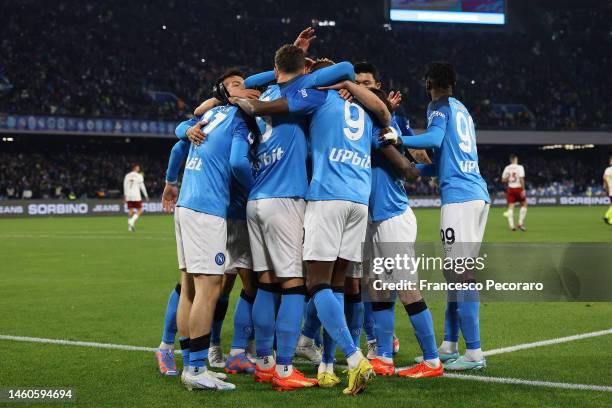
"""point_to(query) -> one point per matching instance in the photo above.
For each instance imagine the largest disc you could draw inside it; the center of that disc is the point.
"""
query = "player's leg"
(510, 211)
(369, 329)
(182, 318)
(207, 291)
(186, 295)
(311, 334)
(325, 375)
(215, 354)
(353, 306)
(608, 215)
(422, 322)
(130, 212)
(137, 214)
(467, 220)
(335, 227)
(203, 240)
(522, 214)
(237, 360)
(267, 297)
(165, 352)
(284, 220)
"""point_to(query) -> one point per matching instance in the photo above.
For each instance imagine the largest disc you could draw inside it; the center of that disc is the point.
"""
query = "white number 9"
(466, 132)
(355, 127)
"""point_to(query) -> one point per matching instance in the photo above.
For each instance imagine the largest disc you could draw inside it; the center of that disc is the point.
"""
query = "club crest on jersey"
(350, 157)
(220, 258)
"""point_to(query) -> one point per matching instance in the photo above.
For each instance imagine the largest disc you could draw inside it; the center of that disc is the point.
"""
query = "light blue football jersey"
(207, 177)
(281, 152)
(457, 158)
(281, 147)
(388, 197)
(341, 138)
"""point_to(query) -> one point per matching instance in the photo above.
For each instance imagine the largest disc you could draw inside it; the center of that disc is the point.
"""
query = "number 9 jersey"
(457, 158)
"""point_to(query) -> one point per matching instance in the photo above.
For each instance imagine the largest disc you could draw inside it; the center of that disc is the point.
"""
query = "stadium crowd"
(49, 66)
(96, 169)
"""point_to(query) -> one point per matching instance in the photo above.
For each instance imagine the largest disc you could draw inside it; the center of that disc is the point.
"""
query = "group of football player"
(283, 188)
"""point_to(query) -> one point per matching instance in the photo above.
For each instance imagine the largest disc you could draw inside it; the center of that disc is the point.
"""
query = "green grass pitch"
(88, 279)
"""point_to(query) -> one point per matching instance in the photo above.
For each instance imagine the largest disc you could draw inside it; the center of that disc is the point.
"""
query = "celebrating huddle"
(283, 188)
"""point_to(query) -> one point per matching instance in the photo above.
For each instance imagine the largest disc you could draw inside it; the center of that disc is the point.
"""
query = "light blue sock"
(312, 324)
(243, 321)
(469, 317)
(329, 344)
(170, 317)
(184, 342)
(451, 318)
(353, 310)
(288, 322)
(264, 316)
(329, 348)
(385, 323)
(218, 318)
(331, 314)
(368, 321)
(421, 320)
(198, 351)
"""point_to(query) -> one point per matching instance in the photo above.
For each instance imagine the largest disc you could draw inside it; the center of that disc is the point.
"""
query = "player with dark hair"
(465, 206)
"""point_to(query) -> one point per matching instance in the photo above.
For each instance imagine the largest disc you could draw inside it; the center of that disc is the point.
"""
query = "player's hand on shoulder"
(169, 197)
(195, 133)
(395, 99)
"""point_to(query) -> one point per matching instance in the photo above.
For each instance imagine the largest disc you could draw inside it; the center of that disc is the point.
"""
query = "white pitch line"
(550, 342)
(76, 343)
(500, 380)
(520, 381)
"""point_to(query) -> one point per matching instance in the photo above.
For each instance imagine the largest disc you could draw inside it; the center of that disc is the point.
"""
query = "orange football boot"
(295, 381)
(382, 368)
(264, 376)
(421, 370)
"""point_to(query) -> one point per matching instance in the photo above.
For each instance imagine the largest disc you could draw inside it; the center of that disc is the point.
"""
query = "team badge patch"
(220, 258)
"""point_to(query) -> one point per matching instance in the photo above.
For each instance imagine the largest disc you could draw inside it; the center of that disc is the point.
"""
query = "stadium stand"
(160, 65)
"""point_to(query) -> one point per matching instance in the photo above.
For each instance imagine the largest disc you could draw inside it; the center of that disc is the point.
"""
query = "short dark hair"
(230, 73)
(289, 59)
(367, 68)
(321, 63)
(513, 157)
(442, 74)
